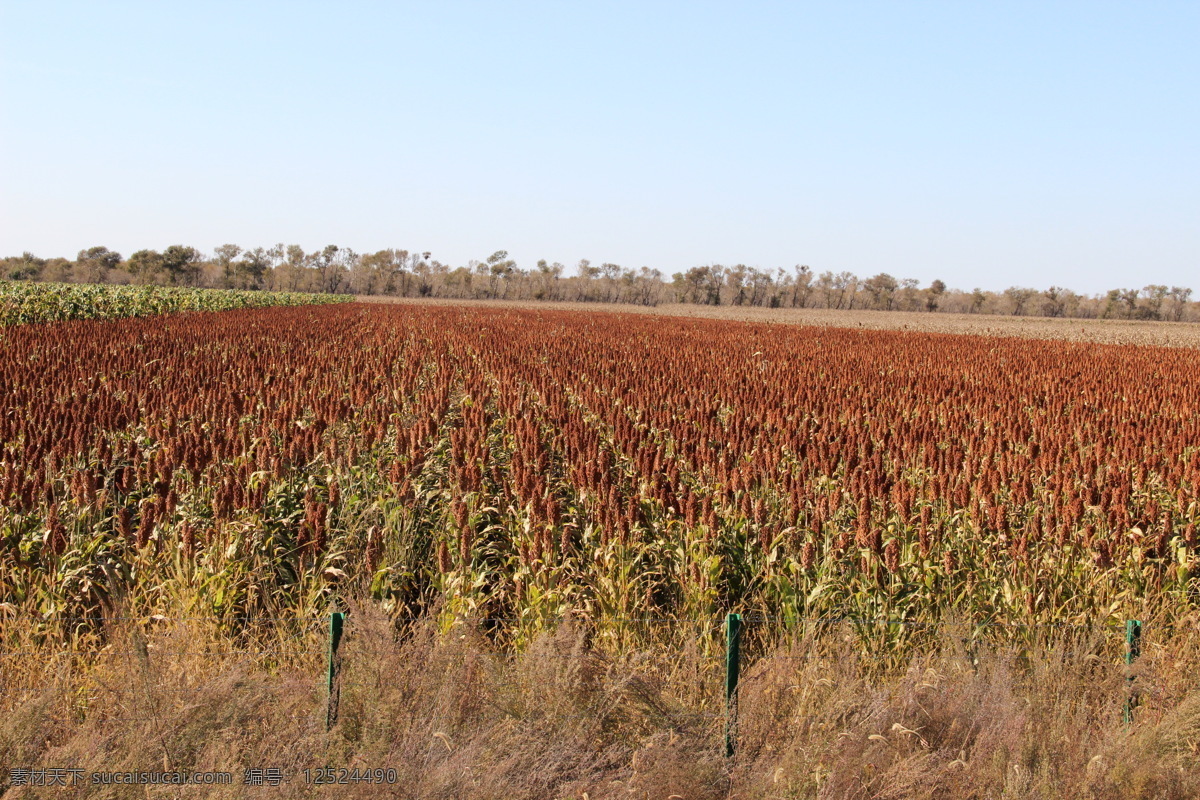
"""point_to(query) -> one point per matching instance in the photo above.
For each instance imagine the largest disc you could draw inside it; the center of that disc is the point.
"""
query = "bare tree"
(802, 285)
(1019, 297)
(1179, 301)
(1154, 295)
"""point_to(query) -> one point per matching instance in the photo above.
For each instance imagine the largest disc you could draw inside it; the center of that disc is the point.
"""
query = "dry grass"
(1159, 334)
(458, 719)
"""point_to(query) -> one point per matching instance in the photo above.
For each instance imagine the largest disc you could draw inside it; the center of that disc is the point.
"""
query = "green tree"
(25, 267)
(1120, 304)
(249, 272)
(224, 257)
(702, 284)
(1054, 305)
(95, 265)
(500, 268)
(146, 266)
(325, 264)
(882, 290)
(374, 273)
(933, 295)
(292, 273)
(182, 265)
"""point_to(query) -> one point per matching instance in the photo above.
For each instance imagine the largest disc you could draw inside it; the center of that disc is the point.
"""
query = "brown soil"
(1160, 334)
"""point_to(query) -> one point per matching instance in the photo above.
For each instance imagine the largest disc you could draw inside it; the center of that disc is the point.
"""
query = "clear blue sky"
(987, 144)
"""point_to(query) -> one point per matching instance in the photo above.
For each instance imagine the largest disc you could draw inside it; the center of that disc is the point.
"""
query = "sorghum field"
(637, 476)
(1100, 331)
(523, 464)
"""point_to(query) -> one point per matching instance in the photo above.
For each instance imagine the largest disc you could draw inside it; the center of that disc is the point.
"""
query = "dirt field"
(1162, 334)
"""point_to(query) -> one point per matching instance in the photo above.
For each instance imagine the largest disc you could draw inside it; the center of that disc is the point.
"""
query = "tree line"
(404, 273)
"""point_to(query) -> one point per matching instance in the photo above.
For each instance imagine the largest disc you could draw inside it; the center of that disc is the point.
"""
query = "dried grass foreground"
(569, 716)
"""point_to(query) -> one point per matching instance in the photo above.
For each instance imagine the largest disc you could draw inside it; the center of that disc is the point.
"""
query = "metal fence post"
(336, 621)
(733, 635)
(1133, 649)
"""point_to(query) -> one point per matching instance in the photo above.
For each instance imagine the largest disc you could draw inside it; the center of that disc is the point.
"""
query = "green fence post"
(1133, 649)
(336, 621)
(733, 663)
